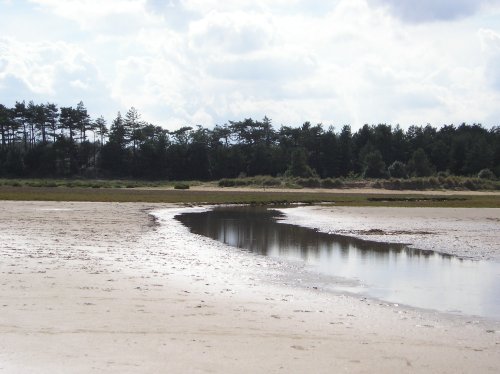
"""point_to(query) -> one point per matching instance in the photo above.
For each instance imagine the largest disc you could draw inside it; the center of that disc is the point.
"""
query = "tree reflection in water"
(393, 272)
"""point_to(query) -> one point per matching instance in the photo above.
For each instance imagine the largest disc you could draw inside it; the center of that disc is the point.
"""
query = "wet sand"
(464, 232)
(100, 287)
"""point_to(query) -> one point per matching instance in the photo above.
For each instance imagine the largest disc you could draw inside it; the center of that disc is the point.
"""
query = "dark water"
(390, 272)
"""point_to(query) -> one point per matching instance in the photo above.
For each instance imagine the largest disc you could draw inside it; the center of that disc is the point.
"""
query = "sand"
(464, 232)
(100, 288)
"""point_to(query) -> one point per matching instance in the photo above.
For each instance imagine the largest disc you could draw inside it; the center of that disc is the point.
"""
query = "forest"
(45, 140)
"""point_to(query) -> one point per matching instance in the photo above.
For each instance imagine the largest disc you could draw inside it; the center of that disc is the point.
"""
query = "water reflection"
(392, 272)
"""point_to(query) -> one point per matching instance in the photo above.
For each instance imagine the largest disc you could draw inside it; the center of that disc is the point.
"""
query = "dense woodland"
(44, 140)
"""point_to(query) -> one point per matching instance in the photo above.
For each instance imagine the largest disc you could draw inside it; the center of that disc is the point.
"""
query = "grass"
(91, 183)
(233, 196)
(181, 186)
(421, 184)
(262, 181)
(440, 182)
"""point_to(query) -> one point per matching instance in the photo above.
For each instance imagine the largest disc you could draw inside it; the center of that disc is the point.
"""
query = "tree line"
(44, 140)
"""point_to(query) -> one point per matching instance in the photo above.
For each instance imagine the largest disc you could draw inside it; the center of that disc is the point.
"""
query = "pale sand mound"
(93, 287)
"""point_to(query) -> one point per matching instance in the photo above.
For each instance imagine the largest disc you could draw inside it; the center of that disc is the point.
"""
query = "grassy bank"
(234, 196)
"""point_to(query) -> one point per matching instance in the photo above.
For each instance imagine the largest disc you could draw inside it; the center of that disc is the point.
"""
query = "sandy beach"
(106, 287)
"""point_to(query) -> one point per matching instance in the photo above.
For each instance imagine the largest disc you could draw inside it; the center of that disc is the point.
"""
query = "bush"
(181, 186)
(433, 182)
(469, 183)
(397, 170)
(331, 183)
(486, 174)
(393, 184)
(271, 182)
(226, 182)
(309, 182)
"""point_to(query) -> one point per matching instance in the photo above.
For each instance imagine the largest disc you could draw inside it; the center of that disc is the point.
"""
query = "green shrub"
(226, 183)
(450, 182)
(309, 182)
(486, 174)
(393, 184)
(433, 182)
(331, 183)
(398, 170)
(181, 186)
(469, 183)
(271, 182)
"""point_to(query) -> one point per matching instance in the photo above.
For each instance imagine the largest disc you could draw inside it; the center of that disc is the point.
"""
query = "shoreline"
(354, 284)
(463, 232)
(95, 288)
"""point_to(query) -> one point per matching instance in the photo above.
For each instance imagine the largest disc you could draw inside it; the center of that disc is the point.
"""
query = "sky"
(206, 62)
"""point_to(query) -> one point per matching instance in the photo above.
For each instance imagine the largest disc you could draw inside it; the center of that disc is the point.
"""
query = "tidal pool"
(390, 272)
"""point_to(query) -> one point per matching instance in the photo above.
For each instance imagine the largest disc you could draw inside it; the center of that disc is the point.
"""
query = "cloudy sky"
(189, 62)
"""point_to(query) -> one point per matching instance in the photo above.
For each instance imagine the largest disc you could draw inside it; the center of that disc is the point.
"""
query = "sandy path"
(93, 287)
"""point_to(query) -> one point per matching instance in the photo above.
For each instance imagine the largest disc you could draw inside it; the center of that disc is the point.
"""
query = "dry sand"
(96, 287)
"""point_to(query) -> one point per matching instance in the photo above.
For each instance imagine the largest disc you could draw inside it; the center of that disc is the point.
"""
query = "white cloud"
(232, 33)
(490, 41)
(58, 72)
(89, 11)
(173, 12)
(185, 62)
(35, 64)
(77, 83)
(432, 10)
(267, 67)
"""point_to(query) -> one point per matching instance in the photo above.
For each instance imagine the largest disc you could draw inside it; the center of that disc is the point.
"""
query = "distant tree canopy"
(44, 140)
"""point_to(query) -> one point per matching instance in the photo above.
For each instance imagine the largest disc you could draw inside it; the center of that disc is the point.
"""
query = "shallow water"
(391, 272)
